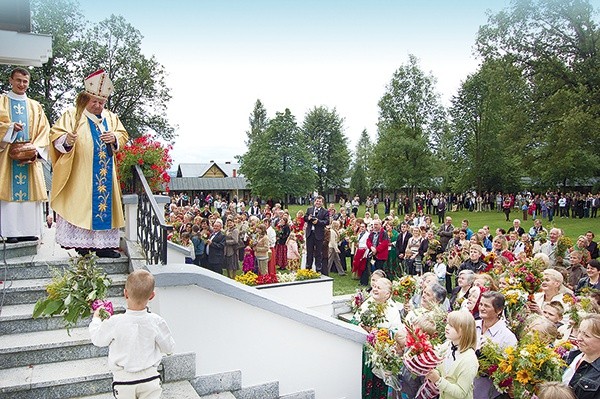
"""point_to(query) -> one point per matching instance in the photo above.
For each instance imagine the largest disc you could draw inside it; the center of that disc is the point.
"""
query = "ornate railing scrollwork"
(152, 230)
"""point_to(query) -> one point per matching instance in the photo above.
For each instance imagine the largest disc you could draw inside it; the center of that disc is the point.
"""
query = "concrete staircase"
(40, 360)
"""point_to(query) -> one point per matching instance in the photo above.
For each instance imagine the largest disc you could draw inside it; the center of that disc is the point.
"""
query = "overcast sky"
(221, 56)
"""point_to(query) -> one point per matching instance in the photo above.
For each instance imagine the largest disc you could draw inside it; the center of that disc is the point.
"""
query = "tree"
(258, 121)
(52, 83)
(490, 124)
(557, 45)
(410, 115)
(327, 144)
(141, 95)
(277, 162)
(359, 178)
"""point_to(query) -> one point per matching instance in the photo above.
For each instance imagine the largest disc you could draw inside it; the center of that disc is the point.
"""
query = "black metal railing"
(152, 231)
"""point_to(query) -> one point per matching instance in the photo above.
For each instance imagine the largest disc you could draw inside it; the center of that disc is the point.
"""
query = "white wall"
(233, 327)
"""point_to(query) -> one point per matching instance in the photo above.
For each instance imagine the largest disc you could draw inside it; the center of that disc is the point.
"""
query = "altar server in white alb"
(24, 139)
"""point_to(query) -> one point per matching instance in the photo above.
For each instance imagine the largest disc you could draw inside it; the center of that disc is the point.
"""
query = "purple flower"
(106, 305)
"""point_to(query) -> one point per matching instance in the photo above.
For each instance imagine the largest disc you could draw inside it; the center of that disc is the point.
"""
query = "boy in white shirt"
(136, 341)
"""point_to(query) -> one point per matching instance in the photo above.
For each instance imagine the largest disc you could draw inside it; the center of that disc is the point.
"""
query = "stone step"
(269, 390)
(16, 319)
(30, 290)
(76, 378)
(18, 250)
(347, 317)
(171, 390)
(46, 347)
(299, 395)
(28, 268)
(220, 395)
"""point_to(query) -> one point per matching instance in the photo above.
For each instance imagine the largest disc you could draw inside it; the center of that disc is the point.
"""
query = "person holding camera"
(316, 218)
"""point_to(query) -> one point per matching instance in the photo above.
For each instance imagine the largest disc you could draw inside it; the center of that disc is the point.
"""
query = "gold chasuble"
(32, 175)
(82, 178)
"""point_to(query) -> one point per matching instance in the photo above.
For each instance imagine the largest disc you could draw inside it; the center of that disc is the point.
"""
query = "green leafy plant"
(73, 290)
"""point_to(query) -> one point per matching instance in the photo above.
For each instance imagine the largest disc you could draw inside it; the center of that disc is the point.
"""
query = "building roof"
(208, 184)
(200, 169)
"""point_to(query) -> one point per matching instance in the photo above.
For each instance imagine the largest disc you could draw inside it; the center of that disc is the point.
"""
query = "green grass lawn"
(572, 228)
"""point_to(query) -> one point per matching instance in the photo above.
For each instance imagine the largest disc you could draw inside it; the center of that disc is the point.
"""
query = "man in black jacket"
(401, 244)
(316, 219)
(215, 248)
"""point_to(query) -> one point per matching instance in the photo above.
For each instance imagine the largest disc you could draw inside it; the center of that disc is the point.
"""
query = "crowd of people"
(459, 269)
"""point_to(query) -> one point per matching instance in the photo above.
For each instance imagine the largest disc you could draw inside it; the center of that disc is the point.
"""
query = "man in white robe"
(22, 186)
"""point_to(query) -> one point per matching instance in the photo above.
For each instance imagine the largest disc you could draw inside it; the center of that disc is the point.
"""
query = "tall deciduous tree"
(359, 178)
(277, 162)
(141, 96)
(490, 122)
(328, 146)
(408, 128)
(52, 83)
(557, 44)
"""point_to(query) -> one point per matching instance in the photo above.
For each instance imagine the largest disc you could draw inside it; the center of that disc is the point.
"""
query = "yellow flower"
(103, 172)
(523, 376)
(102, 207)
(102, 188)
(102, 155)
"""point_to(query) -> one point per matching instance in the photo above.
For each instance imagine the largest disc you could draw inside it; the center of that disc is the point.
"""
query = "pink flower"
(103, 304)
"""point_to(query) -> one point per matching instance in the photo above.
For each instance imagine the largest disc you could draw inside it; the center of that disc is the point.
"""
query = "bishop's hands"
(71, 139)
(108, 138)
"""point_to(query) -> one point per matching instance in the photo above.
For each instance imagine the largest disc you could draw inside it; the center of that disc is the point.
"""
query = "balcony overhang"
(25, 49)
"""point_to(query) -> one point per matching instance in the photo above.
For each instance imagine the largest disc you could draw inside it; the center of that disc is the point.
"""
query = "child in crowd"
(554, 390)
(440, 269)
(136, 341)
(454, 376)
(248, 262)
(189, 245)
(199, 245)
(293, 256)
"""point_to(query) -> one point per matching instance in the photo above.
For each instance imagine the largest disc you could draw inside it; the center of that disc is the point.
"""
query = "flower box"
(316, 294)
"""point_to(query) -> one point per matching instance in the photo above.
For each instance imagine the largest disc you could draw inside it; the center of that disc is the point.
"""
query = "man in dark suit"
(316, 219)
(402, 242)
(445, 232)
(255, 210)
(215, 248)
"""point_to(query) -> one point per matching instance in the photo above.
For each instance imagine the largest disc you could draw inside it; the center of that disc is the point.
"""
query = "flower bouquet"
(523, 367)
(420, 359)
(515, 309)
(489, 260)
(381, 355)
(562, 247)
(529, 276)
(457, 256)
(373, 315)
(357, 299)
(106, 308)
(404, 288)
(152, 156)
(489, 355)
(73, 291)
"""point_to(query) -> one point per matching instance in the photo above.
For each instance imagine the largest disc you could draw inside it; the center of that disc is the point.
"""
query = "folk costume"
(85, 189)
(23, 188)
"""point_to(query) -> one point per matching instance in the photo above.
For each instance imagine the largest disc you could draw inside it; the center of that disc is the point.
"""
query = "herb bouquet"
(382, 356)
(74, 290)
